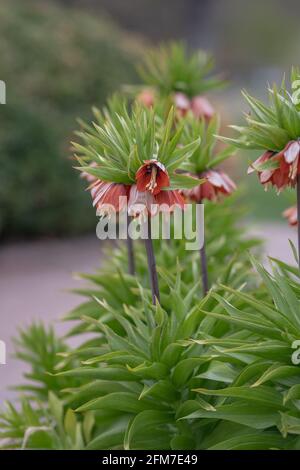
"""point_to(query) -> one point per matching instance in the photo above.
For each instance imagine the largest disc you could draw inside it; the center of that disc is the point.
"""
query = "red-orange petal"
(182, 102)
(168, 200)
(220, 181)
(208, 191)
(263, 158)
(146, 97)
(143, 176)
(201, 107)
(141, 202)
(113, 194)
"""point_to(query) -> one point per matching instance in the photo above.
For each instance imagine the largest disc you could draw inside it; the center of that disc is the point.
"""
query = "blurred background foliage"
(58, 58)
(57, 62)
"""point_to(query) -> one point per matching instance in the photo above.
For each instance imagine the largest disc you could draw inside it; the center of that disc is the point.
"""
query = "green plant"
(140, 379)
(39, 419)
(224, 236)
(269, 127)
(163, 369)
(202, 164)
(38, 346)
(262, 389)
(33, 426)
(132, 157)
(121, 293)
(187, 376)
(275, 129)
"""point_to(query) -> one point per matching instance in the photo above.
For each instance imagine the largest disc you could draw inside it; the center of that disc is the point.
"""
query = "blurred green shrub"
(57, 62)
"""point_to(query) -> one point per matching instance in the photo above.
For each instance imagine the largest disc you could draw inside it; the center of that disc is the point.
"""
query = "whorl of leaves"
(208, 154)
(272, 126)
(122, 138)
(172, 68)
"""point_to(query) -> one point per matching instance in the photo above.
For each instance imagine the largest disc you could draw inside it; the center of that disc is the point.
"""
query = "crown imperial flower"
(216, 184)
(279, 169)
(152, 176)
(275, 129)
(114, 159)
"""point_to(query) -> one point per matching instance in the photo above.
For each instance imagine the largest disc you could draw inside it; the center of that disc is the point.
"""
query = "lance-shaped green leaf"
(263, 395)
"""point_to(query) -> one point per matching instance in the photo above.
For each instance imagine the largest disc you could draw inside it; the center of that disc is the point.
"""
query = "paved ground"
(34, 281)
(35, 278)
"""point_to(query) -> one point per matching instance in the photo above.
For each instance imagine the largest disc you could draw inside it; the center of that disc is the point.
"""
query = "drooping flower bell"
(199, 105)
(152, 179)
(279, 169)
(291, 214)
(109, 197)
(141, 203)
(182, 103)
(216, 184)
(168, 200)
(275, 128)
(146, 97)
(152, 176)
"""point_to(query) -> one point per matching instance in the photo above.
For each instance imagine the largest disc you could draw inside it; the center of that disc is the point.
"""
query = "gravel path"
(35, 278)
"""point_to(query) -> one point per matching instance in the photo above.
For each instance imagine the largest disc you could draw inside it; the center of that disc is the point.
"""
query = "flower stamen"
(152, 183)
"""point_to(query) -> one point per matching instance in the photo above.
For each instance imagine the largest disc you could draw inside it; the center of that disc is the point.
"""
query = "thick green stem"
(205, 284)
(298, 216)
(152, 265)
(203, 265)
(130, 252)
